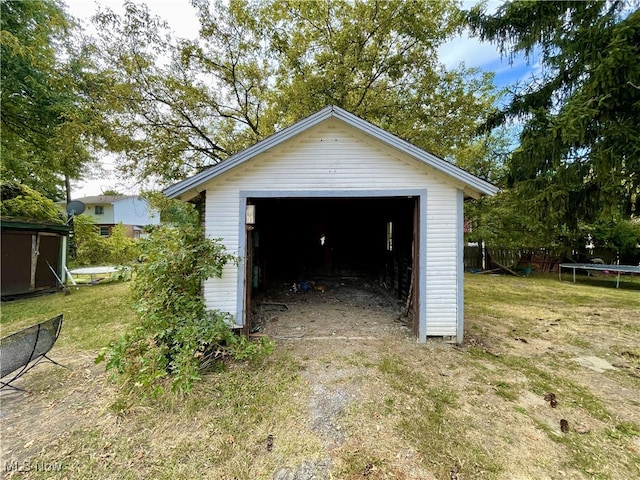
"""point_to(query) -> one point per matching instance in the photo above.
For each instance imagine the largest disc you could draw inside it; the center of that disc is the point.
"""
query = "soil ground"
(383, 406)
(342, 308)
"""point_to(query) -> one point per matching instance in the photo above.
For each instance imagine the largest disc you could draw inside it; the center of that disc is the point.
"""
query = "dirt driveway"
(539, 390)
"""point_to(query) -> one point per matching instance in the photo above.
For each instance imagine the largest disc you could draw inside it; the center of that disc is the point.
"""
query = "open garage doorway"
(331, 266)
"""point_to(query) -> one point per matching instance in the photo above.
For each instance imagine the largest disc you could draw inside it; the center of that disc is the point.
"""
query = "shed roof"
(480, 186)
(9, 224)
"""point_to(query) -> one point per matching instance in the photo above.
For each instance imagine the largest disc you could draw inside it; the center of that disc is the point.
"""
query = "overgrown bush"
(176, 337)
(93, 249)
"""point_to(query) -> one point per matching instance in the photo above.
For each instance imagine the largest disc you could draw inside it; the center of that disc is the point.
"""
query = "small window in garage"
(389, 236)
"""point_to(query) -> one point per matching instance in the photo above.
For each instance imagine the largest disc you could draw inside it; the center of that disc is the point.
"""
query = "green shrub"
(90, 248)
(176, 338)
(120, 249)
(88, 244)
(621, 234)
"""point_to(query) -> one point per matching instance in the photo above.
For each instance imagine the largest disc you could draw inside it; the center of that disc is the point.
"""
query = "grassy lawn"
(93, 315)
(372, 409)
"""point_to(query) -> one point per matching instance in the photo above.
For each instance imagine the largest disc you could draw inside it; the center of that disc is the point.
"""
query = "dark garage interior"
(324, 239)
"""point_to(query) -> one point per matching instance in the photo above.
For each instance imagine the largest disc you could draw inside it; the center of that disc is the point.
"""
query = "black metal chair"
(23, 350)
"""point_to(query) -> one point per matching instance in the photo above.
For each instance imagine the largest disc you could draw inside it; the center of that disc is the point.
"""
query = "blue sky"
(181, 18)
(485, 56)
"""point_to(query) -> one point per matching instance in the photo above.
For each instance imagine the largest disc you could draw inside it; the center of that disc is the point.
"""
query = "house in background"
(109, 210)
(334, 195)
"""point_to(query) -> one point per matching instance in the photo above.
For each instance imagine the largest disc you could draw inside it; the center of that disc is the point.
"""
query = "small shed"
(28, 249)
(336, 195)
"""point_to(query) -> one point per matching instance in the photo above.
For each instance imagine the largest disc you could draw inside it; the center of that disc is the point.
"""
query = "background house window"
(105, 231)
(99, 210)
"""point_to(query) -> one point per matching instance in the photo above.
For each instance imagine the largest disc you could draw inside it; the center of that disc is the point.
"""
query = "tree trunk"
(67, 187)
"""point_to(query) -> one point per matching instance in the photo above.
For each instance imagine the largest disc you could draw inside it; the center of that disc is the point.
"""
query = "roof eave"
(396, 142)
(192, 183)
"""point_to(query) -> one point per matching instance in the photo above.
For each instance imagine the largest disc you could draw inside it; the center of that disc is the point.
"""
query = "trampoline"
(599, 268)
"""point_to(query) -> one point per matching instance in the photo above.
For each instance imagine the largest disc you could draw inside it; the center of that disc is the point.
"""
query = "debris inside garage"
(348, 308)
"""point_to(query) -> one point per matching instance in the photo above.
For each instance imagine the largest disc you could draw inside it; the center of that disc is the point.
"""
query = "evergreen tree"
(579, 155)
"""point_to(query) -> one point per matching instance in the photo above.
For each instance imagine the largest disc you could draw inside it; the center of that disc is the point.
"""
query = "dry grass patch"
(240, 423)
(376, 408)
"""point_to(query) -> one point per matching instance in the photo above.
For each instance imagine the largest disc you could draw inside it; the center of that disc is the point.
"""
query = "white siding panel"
(107, 217)
(442, 291)
(134, 211)
(221, 221)
(334, 156)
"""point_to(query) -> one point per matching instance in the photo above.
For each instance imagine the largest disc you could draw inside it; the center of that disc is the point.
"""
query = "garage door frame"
(421, 194)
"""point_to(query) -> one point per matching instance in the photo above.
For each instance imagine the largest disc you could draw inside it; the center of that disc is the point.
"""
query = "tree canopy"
(21, 203)
(43, 111)
(578, 158)
(174, 107)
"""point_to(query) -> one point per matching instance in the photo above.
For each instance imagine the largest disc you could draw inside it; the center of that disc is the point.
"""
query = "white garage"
(335, 195)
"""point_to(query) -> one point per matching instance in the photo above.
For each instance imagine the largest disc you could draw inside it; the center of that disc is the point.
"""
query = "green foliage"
(175, 336)
(120, 249)
(89, 245)
(179, 214)
(622, 235)
(93, 249)
(579, 154)
(499, 222)
(23, 203)
(43, 111)
(142, 70)
(271, 63)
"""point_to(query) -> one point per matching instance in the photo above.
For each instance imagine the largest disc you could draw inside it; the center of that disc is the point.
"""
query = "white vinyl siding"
(134, 211)
(107, 215)
(442, 268)
(128, 211)
(333, 156)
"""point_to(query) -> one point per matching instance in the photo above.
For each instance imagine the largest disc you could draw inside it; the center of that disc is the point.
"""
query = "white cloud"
(469, 50)
(179, 14)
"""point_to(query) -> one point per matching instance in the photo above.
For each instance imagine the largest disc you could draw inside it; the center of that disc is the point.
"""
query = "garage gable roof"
(192, 183)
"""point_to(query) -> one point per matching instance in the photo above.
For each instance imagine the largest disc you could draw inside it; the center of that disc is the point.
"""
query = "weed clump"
(176, 338)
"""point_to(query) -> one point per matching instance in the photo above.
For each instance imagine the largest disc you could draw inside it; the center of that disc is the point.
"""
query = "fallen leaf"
(551, 398)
